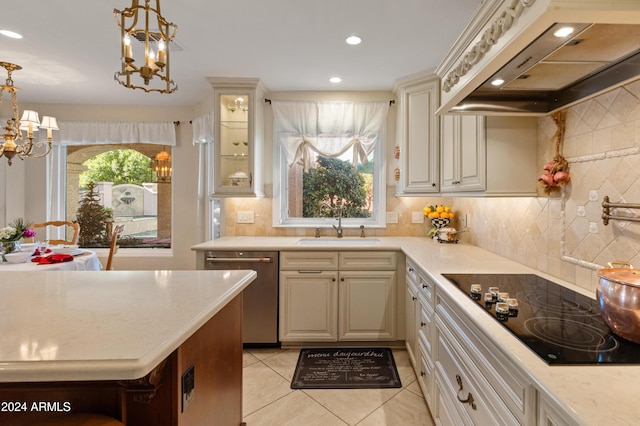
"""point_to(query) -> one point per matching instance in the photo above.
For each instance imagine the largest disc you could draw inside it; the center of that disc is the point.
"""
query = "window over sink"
(329, 161)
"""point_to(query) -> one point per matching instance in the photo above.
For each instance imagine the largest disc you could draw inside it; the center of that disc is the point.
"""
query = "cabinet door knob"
(422, 373)
(422, 324)
(342, 279)
(333, 279)
(425, 286)
(413, 298)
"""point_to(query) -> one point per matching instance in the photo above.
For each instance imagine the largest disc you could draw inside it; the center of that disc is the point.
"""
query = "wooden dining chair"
(113, 247)
(71, 228)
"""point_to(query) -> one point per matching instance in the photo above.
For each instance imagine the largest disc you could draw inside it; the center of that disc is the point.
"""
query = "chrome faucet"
(338, 210)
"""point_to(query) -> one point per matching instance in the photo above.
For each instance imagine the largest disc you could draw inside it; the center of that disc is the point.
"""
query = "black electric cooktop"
(561, 326)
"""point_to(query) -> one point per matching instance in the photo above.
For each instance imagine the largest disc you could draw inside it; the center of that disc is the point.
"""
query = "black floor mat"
(346, 368)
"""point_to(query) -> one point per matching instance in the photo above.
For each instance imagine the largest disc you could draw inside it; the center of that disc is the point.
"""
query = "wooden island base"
(214, 351)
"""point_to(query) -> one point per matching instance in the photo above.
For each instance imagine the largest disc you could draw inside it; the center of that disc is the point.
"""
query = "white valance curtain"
(328, 128)
(202, 128)
(116, 132)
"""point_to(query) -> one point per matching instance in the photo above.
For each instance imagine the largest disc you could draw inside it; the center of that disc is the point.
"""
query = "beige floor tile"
(263, 353)
(352, 405)
(406, 409)
(294, 409)
(248, 359)
(261, 386)
(403, 365)
(415, 388)
(284, 363)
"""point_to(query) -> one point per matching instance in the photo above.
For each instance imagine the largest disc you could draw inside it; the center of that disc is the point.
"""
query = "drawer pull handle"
(469, 400)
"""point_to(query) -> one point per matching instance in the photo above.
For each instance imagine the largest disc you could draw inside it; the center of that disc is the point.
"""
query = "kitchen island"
(126, 344)
(580, 394)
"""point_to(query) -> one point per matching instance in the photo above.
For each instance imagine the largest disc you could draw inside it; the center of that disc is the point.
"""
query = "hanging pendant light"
(146, 69)
(162, 166)
(14, 144)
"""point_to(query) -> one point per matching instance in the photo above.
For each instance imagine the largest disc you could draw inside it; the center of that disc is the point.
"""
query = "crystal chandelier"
(13, 139)
(154, 60)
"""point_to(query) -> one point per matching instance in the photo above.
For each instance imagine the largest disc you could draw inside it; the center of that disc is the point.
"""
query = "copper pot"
(618, 296)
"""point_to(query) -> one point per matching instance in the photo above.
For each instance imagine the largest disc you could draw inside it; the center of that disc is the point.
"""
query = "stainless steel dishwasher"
(260, 298)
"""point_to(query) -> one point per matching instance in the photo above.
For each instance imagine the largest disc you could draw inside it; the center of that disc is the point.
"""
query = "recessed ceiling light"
(497, 82)
(353, 40)
(563, 32)
(335, 79)
(10, 34)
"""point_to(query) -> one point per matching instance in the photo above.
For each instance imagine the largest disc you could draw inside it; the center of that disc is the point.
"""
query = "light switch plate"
(417, 217)
(245, 216)
(392, 217)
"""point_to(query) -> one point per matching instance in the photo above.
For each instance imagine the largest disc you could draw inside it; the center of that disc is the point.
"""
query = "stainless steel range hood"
(516, 59)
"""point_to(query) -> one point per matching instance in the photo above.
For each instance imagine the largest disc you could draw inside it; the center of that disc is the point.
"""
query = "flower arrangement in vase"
(11, 234)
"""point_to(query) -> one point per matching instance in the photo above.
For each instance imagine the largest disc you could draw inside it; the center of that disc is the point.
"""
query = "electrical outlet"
(417, 217)
(465, 220)
(392, 217)
(245, 216)
(188, 386)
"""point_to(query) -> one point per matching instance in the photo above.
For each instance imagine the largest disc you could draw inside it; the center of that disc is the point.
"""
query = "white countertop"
(107, 325)
(593, 394)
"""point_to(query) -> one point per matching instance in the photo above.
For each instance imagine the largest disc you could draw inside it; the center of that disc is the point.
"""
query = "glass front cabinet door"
(238, 138)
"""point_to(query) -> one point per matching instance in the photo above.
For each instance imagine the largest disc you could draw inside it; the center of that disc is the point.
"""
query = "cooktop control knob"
(502, 311)
(476, 291)
(503, 296)
(488, 300)
(512, 303)
(494, 291)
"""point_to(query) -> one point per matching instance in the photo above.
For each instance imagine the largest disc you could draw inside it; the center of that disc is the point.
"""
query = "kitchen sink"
(332, 241)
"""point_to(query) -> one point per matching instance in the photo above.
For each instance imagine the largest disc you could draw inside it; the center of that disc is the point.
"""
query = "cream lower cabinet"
(309, 306)
(419, 334)
(464, 377)
(411, 310)
(474, 382)
(325, 299)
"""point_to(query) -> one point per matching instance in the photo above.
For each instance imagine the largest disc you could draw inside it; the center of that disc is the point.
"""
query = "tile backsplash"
(563, 234)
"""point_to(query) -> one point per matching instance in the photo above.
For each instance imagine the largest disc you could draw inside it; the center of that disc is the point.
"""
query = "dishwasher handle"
(239, 259)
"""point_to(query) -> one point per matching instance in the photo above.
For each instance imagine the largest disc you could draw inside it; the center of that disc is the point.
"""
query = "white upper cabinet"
(488, 156)
(463, 153)
(418, 135)
(238, 130)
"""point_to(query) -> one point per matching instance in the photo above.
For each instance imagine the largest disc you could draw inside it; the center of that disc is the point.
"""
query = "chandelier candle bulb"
(128, 55)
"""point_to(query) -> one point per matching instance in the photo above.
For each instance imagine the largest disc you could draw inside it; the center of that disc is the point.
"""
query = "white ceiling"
(70, 50)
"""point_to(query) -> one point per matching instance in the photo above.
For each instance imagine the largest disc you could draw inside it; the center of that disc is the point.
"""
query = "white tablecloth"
(87, 261)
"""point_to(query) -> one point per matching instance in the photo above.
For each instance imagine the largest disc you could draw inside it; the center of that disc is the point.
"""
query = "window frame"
(281, 187)
(56, 200)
